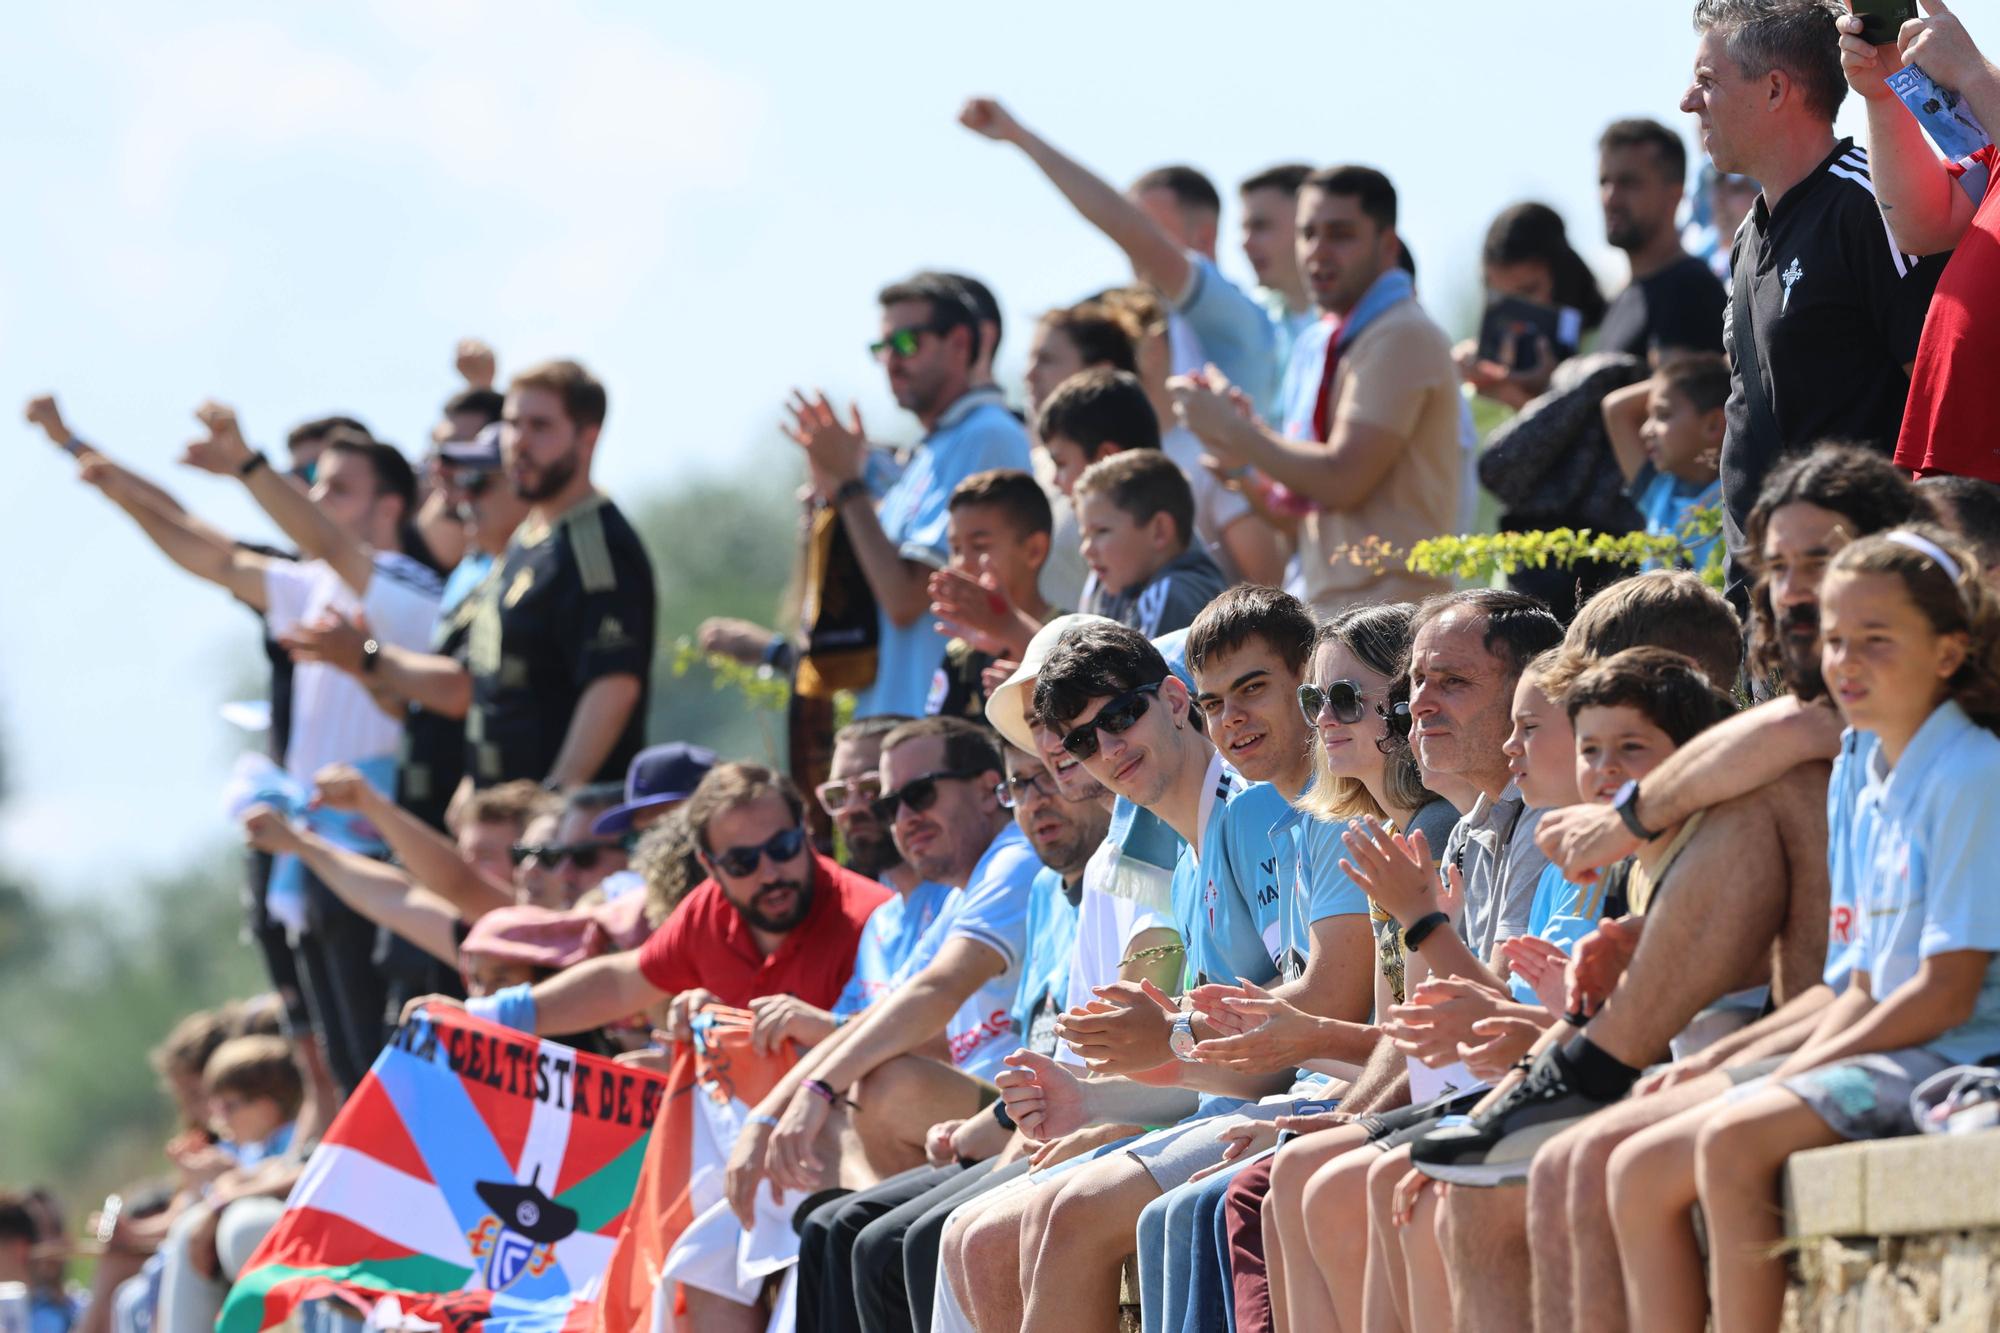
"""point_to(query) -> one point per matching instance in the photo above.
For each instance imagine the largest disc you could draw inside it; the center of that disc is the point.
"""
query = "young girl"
(1911, 652)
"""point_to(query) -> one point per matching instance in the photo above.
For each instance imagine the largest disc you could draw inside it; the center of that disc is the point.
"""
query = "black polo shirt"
(1834, 313)
(571, 603)
(1677, 309)
(434, 752)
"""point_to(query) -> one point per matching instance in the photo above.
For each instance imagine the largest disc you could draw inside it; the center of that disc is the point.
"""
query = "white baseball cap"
(1007, 707)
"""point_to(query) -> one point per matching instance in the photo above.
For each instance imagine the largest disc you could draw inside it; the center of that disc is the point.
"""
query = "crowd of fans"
(1283, 938)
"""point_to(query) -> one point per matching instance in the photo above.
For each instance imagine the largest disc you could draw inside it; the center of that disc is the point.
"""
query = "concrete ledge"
(1896, 1187)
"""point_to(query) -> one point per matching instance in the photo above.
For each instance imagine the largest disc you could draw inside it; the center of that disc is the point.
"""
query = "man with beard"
(561, 640)
(1673, 302)
(926, 1052)
(856, 1253)
(773, 916)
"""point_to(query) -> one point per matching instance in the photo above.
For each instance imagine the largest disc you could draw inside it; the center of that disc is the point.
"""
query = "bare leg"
(1652, 1201)
(1386, 1293)
(1739, 1156)
(1274, 1265)
(1486, 1246)
(1423, 1259)
(1548, 1235)
(1074, 1283)
(1704, 936)
(1337, 1233)
(1308, 1303)
(718, 1314)
(894, 1107)
(982, 1254)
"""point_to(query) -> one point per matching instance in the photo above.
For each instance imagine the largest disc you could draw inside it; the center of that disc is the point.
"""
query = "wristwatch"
(371, 652)
(1182, 1039)
(851, 490)
(1626, 803)
(251, 464)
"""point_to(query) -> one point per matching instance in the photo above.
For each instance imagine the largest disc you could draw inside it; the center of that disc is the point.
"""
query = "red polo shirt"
(707, 945)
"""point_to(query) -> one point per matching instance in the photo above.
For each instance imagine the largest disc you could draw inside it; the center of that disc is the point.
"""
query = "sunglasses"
(1015, 790)
(920, 794)
(901, 343)
(1114, 719)
(736, 862)
(840, 793)
(583, 855)
(1348, 703)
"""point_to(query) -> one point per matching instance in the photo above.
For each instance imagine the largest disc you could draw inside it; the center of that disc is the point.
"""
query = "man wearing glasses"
(942, 781)
(773, 916)
(929, 346)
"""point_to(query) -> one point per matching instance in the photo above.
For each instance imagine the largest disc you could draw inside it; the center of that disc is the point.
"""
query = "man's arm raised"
(1156, 257)
(383, 894)
(224, 452)
(431, 858)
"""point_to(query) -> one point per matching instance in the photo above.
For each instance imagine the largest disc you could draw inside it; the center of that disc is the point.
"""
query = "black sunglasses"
(920, 794)
(1115, 718)
(736, 862)
(1349, 705)
(552, 854)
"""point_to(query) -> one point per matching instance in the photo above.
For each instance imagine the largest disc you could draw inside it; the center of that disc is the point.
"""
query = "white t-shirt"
(334, 721)
(1105, 928)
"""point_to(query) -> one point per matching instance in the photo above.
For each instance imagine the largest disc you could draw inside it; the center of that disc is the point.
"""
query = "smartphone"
(1881, 20)
(1511, 327)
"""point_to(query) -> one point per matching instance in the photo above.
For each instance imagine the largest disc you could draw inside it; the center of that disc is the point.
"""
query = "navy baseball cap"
(659, 775)
(481, 451)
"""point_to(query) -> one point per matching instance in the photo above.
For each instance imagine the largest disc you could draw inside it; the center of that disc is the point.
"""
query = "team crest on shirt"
(1209, 896)
(1790, 277)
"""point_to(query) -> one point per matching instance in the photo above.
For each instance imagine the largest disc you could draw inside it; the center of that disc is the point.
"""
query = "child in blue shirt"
(254, 1092)
(1911, 652)
(1667, 434)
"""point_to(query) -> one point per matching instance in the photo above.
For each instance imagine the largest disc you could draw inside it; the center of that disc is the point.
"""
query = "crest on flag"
(521, 1232)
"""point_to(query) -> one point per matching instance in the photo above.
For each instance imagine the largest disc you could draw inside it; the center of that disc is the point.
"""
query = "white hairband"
(1925, 546)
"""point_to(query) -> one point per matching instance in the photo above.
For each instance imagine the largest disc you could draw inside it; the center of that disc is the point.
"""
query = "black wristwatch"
(850, 490)
(1420, 930)
(1626, 803)
(252, 463)
(371, 653)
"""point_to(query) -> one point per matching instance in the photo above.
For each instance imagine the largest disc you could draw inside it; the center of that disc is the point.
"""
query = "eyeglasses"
(920, 794)
(1015, 790)
(737, 862)
(582, 855)
(901, 343)
(1114, 719)
(840, 793)
(1349, 704)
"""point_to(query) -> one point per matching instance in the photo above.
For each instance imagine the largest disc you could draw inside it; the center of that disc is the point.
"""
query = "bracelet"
(821, 1089)
(849, 490)
(252, 463)
(769, 1121)
(1001, 1117)
(1420, 930)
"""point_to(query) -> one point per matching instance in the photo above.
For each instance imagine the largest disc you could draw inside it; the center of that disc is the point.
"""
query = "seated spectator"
(254, 1092)
(1925, 993)
(1136, 517)
(1952, 400)
(21, 1233)
(989, 594)
(1667, 435)
(1091, 416)
(772, 916)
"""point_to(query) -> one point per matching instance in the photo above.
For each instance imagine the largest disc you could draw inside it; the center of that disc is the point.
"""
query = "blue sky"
(300, 209)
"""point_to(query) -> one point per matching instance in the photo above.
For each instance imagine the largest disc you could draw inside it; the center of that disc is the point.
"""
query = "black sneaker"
(1495, 1147)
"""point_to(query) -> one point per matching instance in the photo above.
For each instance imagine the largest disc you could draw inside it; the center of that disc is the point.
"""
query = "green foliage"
(1477, 557)
(106, 982)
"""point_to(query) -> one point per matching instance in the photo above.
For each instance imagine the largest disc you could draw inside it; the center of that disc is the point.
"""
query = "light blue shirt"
(1286, 326)
(1666, 501)
(1312, 885)
(1850, 849)
(1234, 331)
(1562, 913)
(1929, 888)
(992, 909)
(975, 434)
(887, 940)
(1052, 922)
(1226, 899)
